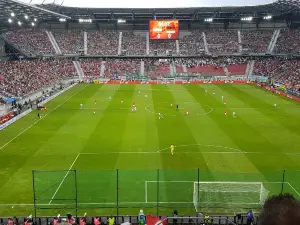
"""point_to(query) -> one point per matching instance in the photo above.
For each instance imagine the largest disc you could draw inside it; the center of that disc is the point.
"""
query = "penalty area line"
(23, 131)
(62, 181)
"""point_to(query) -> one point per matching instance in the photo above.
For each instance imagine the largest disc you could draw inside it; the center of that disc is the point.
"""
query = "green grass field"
(254, 147)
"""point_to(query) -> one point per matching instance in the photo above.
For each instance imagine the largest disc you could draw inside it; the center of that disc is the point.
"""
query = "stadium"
(177, 114)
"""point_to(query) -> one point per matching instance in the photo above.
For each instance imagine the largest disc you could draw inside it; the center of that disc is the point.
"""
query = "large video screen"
(163, 29)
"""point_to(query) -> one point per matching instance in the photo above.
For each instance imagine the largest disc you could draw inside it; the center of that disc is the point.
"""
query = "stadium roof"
(277, 8)
(52, 12)
(149, 4)
(21, 9)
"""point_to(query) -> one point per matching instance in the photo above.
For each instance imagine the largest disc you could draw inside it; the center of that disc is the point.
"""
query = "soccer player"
(233, 115)
(122, 101)
(160, 116)
(94, 111)
(95, 102)
(225, 102)
(38, 115)
(225, 112)
(275, 105)
(205, 91)
(139, 92)
(172, 149)
(171, 104)
(81, 105)
(177, 106)
(187, 112)
(146, 96)
(109, 98)
(222, 98)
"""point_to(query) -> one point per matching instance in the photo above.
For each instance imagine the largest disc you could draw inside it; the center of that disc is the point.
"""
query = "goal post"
(229, 194)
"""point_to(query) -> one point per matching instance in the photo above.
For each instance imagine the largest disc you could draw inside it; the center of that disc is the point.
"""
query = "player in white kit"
(109, 98)
(222, 98)
(160, 116)
(139, 92)
(233, 115)
(81, 105)
(275, 105)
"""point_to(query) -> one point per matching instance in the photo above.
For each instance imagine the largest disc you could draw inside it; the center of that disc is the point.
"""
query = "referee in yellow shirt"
(172, 149)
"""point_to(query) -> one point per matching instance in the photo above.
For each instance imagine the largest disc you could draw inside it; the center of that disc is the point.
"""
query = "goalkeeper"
(172, 149)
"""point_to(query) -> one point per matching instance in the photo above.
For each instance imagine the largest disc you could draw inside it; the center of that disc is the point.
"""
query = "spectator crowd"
(19, 78)
(22, 77)
(114, 42)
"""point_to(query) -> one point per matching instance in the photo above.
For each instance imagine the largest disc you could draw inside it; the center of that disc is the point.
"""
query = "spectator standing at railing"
(207, 219)
(96, 221)
(250, 217)
(142, 218)
(111, 220)
(10, 221)
(175, 215)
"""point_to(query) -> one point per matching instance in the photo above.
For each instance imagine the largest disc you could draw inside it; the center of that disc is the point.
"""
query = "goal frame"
(196, 191)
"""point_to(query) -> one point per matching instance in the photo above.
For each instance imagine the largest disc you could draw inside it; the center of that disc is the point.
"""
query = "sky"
(150, 3)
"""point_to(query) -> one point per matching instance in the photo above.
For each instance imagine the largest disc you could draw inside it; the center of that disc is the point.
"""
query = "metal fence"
(161, 190)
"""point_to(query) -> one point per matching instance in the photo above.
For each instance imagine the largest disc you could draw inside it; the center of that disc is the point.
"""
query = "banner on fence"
(9, 122)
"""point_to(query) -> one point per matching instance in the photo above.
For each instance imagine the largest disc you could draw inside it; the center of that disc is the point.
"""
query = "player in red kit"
(94, 111)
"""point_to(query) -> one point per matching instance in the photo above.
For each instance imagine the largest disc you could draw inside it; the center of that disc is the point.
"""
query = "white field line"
(64, 178)
(293, 189)
(180, 153)
(211, 182)
(91, 203)
(22, 132)
(214, 146)
(146, 192)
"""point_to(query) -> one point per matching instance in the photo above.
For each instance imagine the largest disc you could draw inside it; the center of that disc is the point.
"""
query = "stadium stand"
(69, 41)
(32, 42)
(222, 41)
(191, 43)
(106, 42)
(284, 71)
(126, 67)
(256, 40)
(288, 41)
(103, 42)
(91, 67)
(26, 76)
(157, 68)
(134, 43)
(162, 47)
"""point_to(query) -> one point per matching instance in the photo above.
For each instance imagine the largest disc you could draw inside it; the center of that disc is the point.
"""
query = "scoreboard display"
(163, 29)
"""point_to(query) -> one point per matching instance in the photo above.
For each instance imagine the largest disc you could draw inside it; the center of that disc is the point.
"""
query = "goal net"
(229, 194)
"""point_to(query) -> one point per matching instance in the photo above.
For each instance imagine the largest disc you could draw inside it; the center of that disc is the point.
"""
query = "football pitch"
(119, 158)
